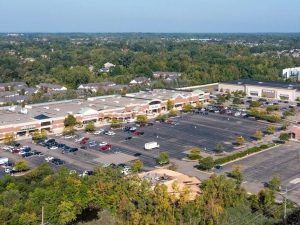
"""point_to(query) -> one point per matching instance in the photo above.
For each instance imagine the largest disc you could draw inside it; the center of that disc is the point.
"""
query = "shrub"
(284, 136)
(194, 154)
(206, 163)
(241, 154)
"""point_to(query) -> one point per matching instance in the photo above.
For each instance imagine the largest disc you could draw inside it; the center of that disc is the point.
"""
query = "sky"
(197, 16)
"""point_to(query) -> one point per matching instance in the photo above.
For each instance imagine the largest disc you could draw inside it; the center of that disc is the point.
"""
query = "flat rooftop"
(161, 94)
(15, 114)
(262, 83)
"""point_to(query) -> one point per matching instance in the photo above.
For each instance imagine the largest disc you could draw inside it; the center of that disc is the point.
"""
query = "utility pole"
(285, 197)
(42, 215)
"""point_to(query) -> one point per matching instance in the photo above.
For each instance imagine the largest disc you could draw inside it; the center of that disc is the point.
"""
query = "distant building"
(94, 87)
(291, 72)
(288, 91)
(140, 81)
(106, 67)
(51, 87)
(12, 86)
(167, 76)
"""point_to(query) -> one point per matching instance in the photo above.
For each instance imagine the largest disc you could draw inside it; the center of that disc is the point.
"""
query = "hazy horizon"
(136, 16)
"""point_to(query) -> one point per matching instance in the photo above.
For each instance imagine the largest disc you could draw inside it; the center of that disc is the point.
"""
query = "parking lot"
(283, 161)
(187, 131)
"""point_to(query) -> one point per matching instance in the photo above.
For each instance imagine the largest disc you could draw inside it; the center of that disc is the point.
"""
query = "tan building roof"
(169, 177)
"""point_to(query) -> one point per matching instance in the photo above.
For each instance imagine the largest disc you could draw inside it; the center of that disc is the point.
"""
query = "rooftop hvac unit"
(70, 113)
(57, 109)
(46, 107)
(103, 100)
(239, 82)
(28, 106)
(117, 102)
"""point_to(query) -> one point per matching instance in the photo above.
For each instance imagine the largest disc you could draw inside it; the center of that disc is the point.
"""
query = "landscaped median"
(238, 155)
(208, 162)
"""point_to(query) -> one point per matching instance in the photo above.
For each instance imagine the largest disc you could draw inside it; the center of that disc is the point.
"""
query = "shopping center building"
(263, 89)
(50, 116)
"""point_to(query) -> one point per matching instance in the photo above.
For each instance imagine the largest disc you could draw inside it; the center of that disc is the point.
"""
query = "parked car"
(109, 133)
(57, 161)
(15, 151)
(27, 154)
(37, 153)
(138, 133)
(49, 158)
(128, 138)
(103, 143)
(87, 173)
(137, 154)
(97, 132)
(53, 147)
(106, 147)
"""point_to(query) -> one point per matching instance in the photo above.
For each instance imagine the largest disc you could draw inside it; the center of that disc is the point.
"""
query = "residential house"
(95, 86)
(166, 76)
(140, 81)
(51, 87)
(12, 86)
(106, 67)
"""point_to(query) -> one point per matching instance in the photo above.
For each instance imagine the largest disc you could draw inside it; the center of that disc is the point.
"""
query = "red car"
(84, 141)
(138, 133)
(15, 151)
(106, 147)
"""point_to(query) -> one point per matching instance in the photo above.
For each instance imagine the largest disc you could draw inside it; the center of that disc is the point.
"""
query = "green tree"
(236, 101)
(258, 134)
(67, 212)
(285, 126)
(187, 107)
(199, 105)
(206, 163)
(115, 123)
(68, 131)
(240, 140)
(90, 127)
(163, 158)
(237, 174)
(21, 165)
(69, 121)
(274, 183)
(255, 104)
(170, 104)
(39, 135)
(9, 138)
(161, 117)
(142, 119)
(219, 148)
(172, 113)
(137, 165)
(270, 129)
